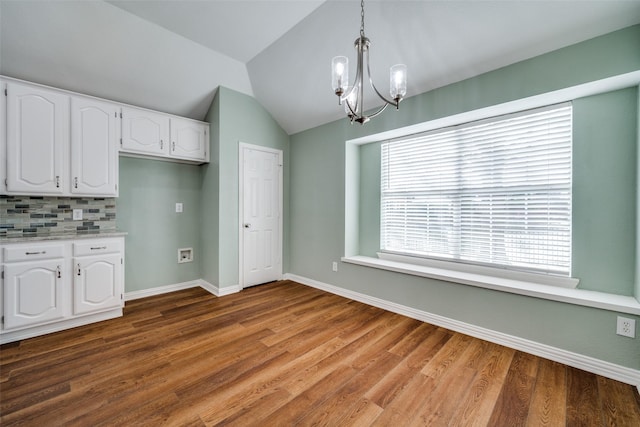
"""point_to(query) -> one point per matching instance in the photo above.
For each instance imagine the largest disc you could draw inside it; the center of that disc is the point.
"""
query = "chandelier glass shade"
(353, 96)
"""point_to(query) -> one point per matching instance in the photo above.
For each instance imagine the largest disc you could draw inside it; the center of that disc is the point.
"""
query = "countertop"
(62, 236)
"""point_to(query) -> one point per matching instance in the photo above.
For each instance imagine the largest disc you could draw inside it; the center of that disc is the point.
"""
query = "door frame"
(241, 147)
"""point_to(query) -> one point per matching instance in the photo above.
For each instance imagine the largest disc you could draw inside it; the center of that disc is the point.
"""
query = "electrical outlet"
(334, 266)
(77, 214)
(626, 327)
(178, 207)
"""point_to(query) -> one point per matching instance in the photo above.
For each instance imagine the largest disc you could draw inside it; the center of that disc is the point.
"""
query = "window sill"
(618, 303)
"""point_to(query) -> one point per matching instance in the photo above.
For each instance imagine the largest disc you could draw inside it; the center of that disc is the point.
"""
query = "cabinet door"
(33, 293)
(144, 132)
(94, 149)
(37, 140)
(188, 139)
(3, 140)
(97, 283)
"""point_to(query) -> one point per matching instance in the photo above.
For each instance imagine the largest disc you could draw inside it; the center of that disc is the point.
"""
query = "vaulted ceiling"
(171, 55)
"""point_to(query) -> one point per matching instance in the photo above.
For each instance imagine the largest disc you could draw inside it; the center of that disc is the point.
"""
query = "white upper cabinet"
(144, 132)
(3, 139)
(60, 143)
(37, 140)
(94, 147)
(189, 139)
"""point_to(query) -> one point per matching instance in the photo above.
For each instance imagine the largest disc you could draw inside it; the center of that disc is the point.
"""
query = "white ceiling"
(171, 55)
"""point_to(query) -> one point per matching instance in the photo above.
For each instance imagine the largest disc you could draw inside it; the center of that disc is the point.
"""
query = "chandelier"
(353, 97)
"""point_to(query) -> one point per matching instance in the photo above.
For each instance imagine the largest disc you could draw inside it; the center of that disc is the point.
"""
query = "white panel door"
(188, 139)
(144, 132)
(37, 140)
(97, 283)
(94, 149)
(33, 293)
(261, 212)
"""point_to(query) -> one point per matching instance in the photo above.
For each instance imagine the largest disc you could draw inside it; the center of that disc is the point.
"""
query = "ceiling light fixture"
(354, 97)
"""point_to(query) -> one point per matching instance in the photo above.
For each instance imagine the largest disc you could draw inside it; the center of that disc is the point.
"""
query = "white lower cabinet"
(49, 287)
(33, 293)
(97, 280)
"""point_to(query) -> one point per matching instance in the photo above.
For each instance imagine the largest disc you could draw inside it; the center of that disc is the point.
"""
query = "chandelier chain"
(361, 18)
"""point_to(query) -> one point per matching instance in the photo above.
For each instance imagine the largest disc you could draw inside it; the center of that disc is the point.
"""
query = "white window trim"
(603, 300)
(480, 273)
(619, 303)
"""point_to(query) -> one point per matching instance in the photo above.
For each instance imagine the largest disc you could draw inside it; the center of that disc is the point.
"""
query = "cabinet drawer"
(29, 253)
(94, 247)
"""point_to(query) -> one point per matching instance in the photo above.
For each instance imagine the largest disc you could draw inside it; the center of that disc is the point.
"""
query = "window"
(496, 192)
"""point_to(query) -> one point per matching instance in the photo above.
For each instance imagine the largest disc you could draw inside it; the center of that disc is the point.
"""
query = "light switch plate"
(77, 214)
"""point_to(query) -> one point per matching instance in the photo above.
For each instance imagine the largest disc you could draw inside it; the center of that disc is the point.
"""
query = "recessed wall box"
(185, 255)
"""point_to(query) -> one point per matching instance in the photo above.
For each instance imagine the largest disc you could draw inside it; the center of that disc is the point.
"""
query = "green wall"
(149, 190)
(604, 191)
(238, 118)
(317, 207)
(210, 199)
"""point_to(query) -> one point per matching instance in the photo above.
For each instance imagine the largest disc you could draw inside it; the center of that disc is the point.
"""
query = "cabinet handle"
(57, 181)
(36, 253)
(161, 144)
(59, 272)
(96, 248)
(174, 146)
(75, 182)
(79, 270)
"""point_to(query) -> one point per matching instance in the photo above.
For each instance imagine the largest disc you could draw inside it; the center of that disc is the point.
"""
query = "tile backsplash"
(32, 216)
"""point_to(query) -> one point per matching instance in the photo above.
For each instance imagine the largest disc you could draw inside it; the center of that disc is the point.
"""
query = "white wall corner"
(589, 364)
(217, 291)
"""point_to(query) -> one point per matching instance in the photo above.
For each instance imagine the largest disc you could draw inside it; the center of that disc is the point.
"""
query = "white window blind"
(495, 192)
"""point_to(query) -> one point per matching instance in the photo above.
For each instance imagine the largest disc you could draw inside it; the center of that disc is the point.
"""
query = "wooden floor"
(285, 354)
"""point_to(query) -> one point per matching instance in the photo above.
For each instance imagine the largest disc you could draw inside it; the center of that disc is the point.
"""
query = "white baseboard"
(129, 296)
(217, 291)
(213, 289)
(589, 364)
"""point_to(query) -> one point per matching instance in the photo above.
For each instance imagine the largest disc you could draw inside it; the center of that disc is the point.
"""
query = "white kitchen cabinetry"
(37, 140)
(189, 139)
(97, 276)
(94, 147)
(144, 132)
(61, 143)
(149, 134)
(33, 285)
(58, 144)
(51, 286)
(3, 139)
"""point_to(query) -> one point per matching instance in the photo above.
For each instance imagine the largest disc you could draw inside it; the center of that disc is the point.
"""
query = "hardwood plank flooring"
(286, 354)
